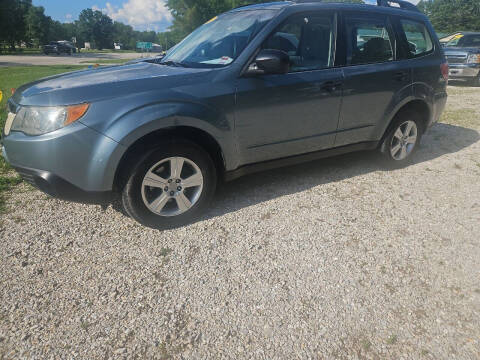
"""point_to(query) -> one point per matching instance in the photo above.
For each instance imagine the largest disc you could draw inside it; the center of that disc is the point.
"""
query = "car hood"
(106, 82)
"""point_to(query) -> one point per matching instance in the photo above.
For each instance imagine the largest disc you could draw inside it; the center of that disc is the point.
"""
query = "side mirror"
(270, 61)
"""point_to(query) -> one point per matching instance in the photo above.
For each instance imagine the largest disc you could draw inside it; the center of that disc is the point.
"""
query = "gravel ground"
(335, 259)
(76, 59)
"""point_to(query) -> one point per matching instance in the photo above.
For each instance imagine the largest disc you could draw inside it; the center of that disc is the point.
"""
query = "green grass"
(13, 77)
(21, 51)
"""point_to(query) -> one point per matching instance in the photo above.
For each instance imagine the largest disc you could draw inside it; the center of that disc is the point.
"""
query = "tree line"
(449, 16)
(23, 23)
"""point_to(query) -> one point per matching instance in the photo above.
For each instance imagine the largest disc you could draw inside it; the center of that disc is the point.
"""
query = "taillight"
(444, 70)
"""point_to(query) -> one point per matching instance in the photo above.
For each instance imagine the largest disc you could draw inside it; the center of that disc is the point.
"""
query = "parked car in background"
(463, 56)
(444, 39)
(258, 87)
(59, 47)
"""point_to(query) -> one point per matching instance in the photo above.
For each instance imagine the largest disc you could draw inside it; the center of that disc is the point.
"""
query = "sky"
(140, 14)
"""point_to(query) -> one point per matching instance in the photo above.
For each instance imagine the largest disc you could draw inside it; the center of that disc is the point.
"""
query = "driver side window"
(308, 39)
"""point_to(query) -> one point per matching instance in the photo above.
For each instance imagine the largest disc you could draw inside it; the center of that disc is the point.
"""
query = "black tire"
(389, 143)
(132, 198)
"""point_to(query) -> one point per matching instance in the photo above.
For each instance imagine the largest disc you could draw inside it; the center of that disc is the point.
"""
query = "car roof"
(314, 4)
(264, 6)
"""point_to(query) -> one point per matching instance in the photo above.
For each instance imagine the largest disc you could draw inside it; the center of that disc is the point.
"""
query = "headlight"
(473, 59)
(33, 120)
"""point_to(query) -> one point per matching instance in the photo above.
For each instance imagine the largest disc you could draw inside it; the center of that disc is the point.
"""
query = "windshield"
(465, 41)
(219, 41)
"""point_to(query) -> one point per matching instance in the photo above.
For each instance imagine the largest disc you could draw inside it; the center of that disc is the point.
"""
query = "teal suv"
(255, 88)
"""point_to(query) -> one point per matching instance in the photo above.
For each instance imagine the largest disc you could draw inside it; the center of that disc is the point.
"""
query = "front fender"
(142, 121)
(135, 124)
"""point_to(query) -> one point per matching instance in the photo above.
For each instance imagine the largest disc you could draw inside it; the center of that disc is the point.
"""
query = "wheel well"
(418, 107)
(149, 141)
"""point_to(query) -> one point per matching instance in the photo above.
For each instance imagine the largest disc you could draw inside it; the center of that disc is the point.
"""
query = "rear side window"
(418, 38)
(309, 41)
(370, 40)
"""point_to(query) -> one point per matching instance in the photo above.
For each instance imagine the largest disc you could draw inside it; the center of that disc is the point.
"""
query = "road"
(76, 59)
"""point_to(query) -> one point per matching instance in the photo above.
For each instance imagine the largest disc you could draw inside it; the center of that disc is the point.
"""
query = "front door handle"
(331, 85)
(401, 76)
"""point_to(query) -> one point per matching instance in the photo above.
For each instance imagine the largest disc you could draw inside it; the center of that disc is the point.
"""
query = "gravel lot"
(76, 59)
(335, 259)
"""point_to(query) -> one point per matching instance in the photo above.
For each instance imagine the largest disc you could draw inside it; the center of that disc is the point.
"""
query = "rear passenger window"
(418, 39)
(369, 41)
(309, 41)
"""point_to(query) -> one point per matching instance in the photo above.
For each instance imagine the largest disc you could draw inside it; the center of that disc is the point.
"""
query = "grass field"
(13, 77)
(21, 51)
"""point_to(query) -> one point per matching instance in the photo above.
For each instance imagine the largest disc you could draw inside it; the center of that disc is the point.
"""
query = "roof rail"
(404, 5)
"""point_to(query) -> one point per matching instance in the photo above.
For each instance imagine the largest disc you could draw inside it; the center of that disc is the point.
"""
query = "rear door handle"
(331, 85)
(401, 76)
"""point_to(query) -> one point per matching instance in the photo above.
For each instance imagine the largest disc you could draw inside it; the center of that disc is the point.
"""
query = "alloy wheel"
(172, 186)
(404, 140)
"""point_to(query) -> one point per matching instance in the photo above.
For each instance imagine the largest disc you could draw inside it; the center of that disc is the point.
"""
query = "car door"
(279, 115)
(375, 78)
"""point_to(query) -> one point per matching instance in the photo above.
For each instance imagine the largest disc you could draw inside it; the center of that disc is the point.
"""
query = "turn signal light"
(75, 112)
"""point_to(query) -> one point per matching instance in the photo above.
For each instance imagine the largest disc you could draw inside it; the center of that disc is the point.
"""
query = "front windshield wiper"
(172, 63)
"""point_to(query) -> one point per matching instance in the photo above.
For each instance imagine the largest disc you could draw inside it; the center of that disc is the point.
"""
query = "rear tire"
(170, 186)
(402, 139)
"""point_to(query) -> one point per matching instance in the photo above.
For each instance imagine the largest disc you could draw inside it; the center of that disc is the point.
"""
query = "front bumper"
(74, 163)
(463, 71)
(57, 187)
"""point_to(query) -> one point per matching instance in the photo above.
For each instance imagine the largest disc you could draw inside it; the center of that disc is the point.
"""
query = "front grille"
(457, 59)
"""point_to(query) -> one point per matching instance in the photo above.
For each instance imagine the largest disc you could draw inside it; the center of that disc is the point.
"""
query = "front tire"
(171, 185)
(402, 139)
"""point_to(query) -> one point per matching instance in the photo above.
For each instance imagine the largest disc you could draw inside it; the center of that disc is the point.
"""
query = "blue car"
(257, 87)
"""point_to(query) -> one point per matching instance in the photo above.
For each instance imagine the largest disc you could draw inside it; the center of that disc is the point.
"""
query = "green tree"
(37, 25)
(124, 34)
(12, 21)
(96, 27)
(168, 39)
(452, 15)
(190, 14)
